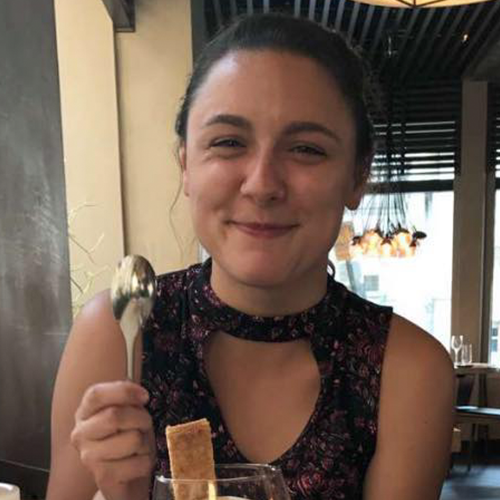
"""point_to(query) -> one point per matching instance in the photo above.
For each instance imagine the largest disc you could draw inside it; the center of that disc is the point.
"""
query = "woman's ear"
(185, 175)
(360, 182)
(356, 195)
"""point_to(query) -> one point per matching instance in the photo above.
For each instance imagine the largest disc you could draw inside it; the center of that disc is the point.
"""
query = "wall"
(119, 95)
(89, 108)
(153, 64)
(35, 312)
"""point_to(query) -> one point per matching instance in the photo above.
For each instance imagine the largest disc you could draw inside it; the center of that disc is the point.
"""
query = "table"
(477, 369)
(480, 371)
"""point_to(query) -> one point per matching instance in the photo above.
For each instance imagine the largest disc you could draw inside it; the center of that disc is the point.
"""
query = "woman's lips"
(259, 230)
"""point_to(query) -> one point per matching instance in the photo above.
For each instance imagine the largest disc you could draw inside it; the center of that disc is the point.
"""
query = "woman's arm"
(89, 405)
(415, 418)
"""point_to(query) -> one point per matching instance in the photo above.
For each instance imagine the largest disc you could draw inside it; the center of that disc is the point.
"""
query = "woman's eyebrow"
(305, 126)
(228, 119)
(292, 128)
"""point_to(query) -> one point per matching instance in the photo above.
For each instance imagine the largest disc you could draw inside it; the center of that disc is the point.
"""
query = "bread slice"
(191, 457)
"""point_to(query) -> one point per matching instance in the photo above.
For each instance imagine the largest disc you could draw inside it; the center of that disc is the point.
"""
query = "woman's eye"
(306, 149)
(226, 143)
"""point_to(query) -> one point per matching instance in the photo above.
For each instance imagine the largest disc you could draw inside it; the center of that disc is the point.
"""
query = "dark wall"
(35, 309)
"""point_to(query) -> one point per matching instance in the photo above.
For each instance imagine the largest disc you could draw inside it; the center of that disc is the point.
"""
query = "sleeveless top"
(347, 335)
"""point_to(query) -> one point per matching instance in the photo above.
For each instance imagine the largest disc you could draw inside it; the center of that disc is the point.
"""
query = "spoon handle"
(129, 344)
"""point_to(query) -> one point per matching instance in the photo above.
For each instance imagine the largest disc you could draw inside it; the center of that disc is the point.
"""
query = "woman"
(350, 400)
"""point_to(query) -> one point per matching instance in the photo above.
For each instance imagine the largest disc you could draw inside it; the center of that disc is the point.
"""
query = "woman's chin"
(260, 275)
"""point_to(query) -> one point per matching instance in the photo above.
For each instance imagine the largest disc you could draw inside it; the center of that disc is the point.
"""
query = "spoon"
(133, 292)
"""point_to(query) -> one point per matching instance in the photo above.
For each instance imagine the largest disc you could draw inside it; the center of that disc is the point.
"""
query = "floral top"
(348, 336)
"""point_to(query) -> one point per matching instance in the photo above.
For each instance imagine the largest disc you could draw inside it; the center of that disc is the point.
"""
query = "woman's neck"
(279, 300)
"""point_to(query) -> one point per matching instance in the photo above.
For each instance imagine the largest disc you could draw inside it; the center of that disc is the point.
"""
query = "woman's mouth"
(260, 230)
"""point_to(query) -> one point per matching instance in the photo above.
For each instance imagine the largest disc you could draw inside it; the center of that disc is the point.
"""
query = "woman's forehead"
(250, 82)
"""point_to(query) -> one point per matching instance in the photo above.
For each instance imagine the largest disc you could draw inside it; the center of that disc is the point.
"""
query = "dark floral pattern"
(348, 336)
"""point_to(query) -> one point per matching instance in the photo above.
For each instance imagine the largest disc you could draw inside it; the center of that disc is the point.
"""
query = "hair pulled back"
(297, 36)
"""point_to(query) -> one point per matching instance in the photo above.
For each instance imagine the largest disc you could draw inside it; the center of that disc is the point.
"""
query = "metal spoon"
(133, 292)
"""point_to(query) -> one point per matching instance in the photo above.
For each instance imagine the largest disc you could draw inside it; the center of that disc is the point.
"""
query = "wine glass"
(234, 482)
(457, 342)
(467, 354)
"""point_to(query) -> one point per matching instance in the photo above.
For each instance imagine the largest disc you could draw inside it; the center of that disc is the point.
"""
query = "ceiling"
(402, 44)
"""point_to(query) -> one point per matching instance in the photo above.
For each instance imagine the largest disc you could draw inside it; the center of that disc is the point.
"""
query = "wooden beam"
(218, 13)
(417, 46)
(326, 13)
(249, 7)
(478, 38)
(366, 25)
(432, 41)
(122, 13)
(486, 63)
(312, 9)
(338, 17)
(352, 23)
(234, 10)
(408, 33)
(379, 32)
(383, 61)
(296, 8)
(452, 54)
(437, 54)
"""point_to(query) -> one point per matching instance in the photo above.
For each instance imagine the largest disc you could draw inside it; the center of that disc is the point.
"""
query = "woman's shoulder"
(413, 350)
(96, 316)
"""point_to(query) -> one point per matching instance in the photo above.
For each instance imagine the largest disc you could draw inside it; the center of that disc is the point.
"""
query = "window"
(419, 288)
(495, 297)
(494, 165)
(424, 143)
(424, 138)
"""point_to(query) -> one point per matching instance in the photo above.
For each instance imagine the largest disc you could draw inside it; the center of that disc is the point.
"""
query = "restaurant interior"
(88, 169)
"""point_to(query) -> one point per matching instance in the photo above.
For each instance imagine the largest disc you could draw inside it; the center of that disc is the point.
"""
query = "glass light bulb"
(356, 251)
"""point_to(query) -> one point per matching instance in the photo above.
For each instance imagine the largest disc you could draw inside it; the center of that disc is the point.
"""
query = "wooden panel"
(35, 308)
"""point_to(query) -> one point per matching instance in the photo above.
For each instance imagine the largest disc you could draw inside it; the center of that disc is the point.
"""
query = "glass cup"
(457, 341)
(9, 492)
(234, 482)
(466, 354)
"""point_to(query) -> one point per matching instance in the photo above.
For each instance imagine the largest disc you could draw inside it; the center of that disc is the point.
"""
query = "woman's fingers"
(109, 474)
(111, 420)
(120, 393)
(114, 436)
(118, 447)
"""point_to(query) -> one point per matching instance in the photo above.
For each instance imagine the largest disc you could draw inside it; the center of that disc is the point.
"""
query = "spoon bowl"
(133, 293)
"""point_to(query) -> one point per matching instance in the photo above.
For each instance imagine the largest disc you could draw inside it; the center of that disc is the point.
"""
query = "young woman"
(349, 399)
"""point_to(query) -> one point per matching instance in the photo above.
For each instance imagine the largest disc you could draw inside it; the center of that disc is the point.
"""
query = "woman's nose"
(264, 180)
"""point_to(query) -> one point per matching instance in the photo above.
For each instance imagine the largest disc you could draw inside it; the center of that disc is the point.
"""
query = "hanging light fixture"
(387, 229)
(414, 4)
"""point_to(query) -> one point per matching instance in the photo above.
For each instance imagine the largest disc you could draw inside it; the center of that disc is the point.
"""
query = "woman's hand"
(115, 439)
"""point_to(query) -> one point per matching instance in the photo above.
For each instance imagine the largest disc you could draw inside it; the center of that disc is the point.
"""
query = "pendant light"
(415, 4)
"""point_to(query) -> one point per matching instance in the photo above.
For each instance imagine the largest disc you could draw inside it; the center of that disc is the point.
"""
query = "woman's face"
(269, 167)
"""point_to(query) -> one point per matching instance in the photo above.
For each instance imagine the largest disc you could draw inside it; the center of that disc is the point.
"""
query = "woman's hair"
(297, 36)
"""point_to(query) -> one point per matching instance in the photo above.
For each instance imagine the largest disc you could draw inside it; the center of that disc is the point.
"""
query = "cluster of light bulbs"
(397, 243)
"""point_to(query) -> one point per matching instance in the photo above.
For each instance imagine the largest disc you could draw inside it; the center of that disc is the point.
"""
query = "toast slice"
(191, 457)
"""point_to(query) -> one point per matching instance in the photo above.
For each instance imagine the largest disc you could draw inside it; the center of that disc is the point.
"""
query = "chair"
(474, 415)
